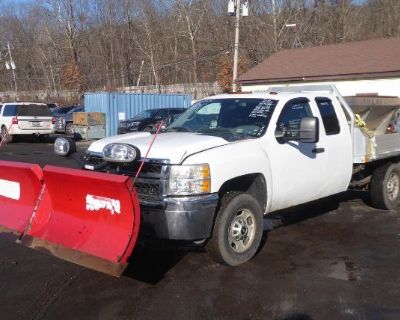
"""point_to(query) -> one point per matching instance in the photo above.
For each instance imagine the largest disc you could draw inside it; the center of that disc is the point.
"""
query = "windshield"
(230, 118)
(145, 115)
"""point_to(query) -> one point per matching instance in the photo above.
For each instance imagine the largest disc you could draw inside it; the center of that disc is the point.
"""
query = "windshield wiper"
(216, 130)
(179, 129)
(221, 132)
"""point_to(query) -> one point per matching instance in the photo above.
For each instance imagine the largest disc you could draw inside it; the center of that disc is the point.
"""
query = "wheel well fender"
(254, 184)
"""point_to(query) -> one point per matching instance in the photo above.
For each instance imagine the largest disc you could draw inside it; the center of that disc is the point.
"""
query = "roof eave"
(354, 76)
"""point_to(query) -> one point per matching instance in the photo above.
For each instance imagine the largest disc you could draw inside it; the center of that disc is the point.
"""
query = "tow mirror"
(306, 130)
(309, 130)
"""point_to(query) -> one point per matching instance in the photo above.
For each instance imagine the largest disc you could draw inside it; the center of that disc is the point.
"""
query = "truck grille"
(152, 181)
(148, 189)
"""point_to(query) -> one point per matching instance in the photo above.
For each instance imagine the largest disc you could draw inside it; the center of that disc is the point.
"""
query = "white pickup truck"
(231, 159)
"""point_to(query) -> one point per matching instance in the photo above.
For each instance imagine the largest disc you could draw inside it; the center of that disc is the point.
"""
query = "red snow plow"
(88, 218)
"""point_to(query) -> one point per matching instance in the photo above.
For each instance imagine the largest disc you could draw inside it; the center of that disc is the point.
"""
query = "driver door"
(297, 168)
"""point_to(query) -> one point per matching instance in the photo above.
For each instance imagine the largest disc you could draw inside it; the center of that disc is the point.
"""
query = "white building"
(369, 67)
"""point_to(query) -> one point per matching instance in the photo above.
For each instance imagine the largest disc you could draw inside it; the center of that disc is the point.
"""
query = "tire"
(3, 133)
(147, 129)
(238, 230)
(69, 129)
(385, 186)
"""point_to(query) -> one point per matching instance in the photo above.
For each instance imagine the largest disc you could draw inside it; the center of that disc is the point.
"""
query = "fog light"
(64, 146)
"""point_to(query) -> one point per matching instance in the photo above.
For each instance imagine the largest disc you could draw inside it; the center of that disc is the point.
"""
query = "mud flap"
(20, 189)
(88, 218)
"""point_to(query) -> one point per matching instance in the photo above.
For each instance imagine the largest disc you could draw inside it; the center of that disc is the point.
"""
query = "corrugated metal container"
(120, 106)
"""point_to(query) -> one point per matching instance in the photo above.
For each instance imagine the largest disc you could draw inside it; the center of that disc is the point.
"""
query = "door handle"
(318, 150)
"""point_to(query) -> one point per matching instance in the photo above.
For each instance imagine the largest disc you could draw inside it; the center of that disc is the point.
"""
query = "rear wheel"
(237, 230)
(69, 128)
(5, 137)
(385, 186)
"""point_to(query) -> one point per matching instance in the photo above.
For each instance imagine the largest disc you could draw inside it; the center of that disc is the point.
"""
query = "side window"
(10, 110)
(162, 113)
(328, 114)
(291, 115)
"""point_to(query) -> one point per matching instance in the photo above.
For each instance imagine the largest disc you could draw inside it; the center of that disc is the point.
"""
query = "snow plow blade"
(20, 189)
(88, 218)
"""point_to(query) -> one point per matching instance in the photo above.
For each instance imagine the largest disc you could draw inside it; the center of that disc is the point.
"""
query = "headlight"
(64, 146)
(133, 124)
(189, 179)
(120, 152)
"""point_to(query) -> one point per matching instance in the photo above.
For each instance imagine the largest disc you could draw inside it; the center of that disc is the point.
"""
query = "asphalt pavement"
(336, 258)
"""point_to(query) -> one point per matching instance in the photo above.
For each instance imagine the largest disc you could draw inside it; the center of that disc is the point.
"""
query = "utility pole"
(236, 8)
(236, 52)
(12, 66)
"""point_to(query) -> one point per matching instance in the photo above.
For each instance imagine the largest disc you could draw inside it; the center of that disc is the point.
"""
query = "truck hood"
(172, 146)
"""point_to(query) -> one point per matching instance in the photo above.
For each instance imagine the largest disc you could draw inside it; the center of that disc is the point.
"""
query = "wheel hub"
(242, 230)
(392, 186)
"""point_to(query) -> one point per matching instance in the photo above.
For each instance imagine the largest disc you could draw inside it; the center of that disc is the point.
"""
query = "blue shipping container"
(127, 105)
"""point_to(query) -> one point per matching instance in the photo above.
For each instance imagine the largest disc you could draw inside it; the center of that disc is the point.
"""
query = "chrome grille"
(148, 189)
(153, 178)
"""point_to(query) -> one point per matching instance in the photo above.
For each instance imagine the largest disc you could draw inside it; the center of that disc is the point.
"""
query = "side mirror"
(306, 131)
(309, 130)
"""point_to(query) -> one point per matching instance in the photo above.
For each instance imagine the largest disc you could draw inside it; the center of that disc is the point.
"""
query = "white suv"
(25, 118)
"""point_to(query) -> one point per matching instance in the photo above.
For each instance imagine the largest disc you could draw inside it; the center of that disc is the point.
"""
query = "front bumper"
(179, 218)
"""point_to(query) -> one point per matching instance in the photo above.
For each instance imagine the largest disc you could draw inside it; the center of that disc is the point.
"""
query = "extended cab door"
(338, 144)
(301, 171)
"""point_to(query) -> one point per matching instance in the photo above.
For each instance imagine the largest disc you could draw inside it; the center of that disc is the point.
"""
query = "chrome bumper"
(179, 218)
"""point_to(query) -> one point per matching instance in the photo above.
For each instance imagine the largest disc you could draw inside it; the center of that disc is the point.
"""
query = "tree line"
(107, 44)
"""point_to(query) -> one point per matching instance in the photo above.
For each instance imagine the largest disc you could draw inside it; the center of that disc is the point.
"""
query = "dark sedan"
(145, 120)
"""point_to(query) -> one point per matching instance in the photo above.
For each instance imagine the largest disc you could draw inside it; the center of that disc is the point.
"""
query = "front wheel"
(237, 230)
(385, 186)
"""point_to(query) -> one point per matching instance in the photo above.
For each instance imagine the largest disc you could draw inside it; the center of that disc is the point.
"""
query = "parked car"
(64, 123)
(145, 120)
(57, 112)
(25, 118)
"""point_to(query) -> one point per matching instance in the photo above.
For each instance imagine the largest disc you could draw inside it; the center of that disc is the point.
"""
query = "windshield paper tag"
(96, 203)
(263, 109)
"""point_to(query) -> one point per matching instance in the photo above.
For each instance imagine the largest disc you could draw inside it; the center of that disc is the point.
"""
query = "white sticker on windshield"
(10, 189)
(263, 109)
(96, 203)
